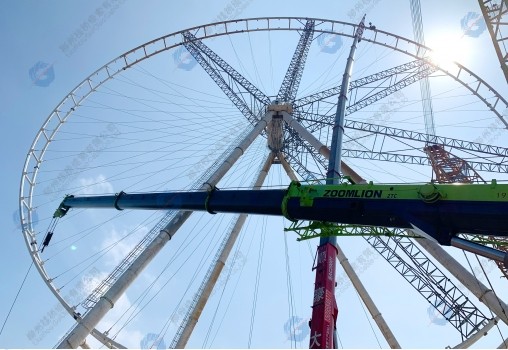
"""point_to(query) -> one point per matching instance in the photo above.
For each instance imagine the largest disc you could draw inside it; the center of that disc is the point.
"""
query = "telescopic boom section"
(324, 308)
(439, 210)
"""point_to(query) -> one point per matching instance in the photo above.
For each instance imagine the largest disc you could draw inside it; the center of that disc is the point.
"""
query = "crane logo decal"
(354, 193)
(473, 24)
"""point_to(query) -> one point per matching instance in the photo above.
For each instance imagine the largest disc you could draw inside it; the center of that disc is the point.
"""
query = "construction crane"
(495, 13)
(448, 168)
(355, 197)
(436, 211)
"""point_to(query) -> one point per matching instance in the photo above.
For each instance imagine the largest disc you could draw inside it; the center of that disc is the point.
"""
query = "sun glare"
(449, 48)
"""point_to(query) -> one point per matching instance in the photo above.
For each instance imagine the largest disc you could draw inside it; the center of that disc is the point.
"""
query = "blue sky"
(42, 64)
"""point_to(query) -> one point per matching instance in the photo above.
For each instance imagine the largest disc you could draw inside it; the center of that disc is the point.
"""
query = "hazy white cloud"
(122, 242)
(95, 185)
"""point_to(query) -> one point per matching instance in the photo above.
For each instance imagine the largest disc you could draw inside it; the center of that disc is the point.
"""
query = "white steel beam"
(185, 331)
(85, 325)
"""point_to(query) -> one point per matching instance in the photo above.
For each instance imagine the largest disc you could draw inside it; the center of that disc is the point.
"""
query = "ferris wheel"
(186, 112)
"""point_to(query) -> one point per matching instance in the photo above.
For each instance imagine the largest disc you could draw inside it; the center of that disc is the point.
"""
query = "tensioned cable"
(252, 55)
(100, 254)
(491, 288)
(165, 327)
(238, 244)
(337, 78)
(244, 71)
(368, 319)
(289, 285)
(164, 94)
(497, 298)
(289, 282)
(258, 277)
(340, 341)
(324, 79)
(96, 256)
(268, 32)
(168, 85)
(16, 297)
(139, 164)
(91, 229)
(180, 251)
(228, 278)
(169, 124)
